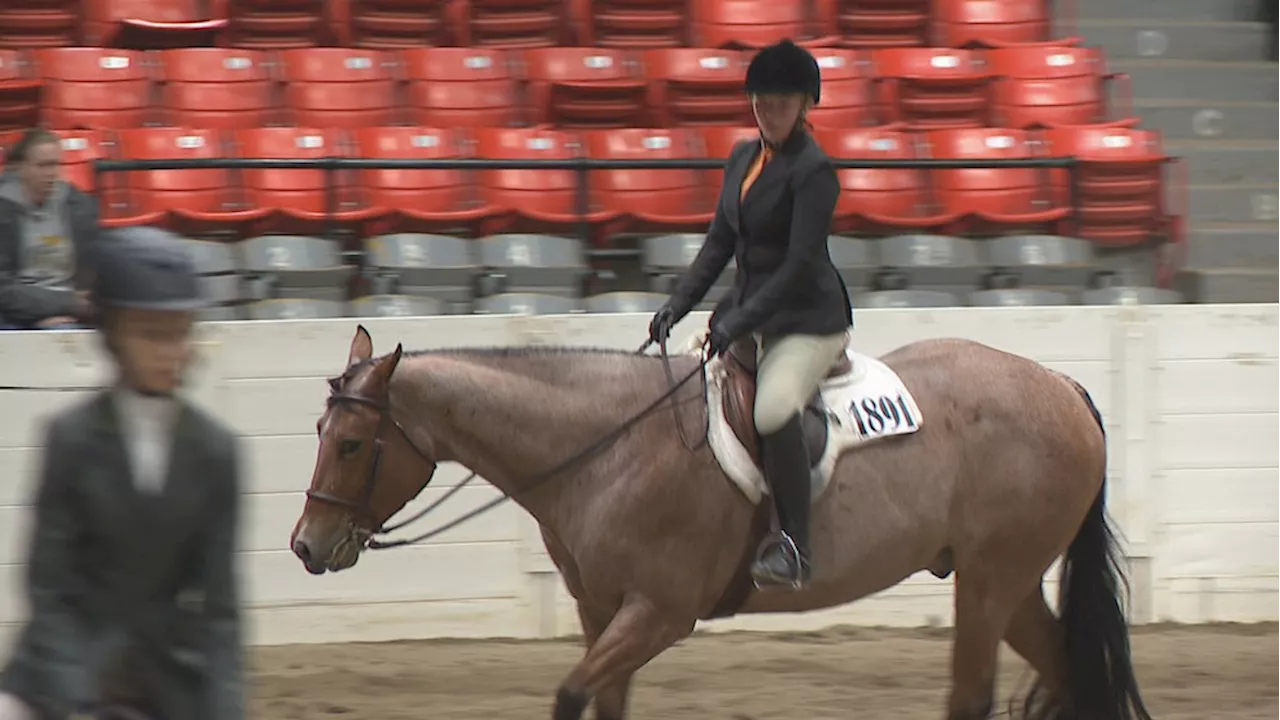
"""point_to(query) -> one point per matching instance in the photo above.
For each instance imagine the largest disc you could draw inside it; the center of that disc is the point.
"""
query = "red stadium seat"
(631, 24)
(1046, 86)
(750, 24)
(31, 24)
(462, 87)
(992, 201)
(197, 201)
(847, 92)
(1120, 183)
(874, 23)
(719, 140)
(277, 24)
(586, 87)
(222, 88)
(697, 86)
(150, 24)
(19, 92)
(514, 24)
(994, 23)
(392, 24)
(879, 201)
(420, 200)
(339, 87)
(80, 150)
(299, 198)
(931, 88)
(533, 200)
(96, 88)
(651, 200)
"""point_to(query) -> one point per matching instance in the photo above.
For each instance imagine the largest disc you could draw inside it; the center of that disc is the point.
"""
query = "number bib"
(871, 404)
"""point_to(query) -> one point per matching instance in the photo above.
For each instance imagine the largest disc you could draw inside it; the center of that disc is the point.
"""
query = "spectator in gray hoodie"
(48, 231)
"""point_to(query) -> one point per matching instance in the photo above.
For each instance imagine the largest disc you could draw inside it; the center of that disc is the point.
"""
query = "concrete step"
(1221, 162)
(1228, 285)
(1200, 80)
(1240, 245)
(1186, 10)
(1237, 203)
(1178, 40)
(1188, 119)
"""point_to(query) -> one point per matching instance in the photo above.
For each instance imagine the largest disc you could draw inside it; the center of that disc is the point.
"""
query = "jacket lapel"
(771, 174)
(109, 437)
(732, 190)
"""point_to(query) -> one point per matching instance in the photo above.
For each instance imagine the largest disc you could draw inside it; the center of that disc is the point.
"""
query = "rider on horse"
(131, 569)
(773, 216)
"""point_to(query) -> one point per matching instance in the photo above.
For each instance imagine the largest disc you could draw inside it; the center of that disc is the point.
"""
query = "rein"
(362, 506)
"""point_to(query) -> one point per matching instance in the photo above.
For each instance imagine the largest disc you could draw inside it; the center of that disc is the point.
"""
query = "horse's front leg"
(611, 701)
(633, 637)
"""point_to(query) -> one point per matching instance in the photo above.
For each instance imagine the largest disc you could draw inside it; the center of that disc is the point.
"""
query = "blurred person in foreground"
(131, 579)
(48, 230)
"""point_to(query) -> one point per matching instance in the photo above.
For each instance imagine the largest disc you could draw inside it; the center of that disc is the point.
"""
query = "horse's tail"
(1092, 595)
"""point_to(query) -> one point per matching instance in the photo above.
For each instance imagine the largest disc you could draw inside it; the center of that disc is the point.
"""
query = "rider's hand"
(718, 342)
(660, 325)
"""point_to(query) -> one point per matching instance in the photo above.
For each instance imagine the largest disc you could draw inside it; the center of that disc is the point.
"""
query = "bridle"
(361, 508)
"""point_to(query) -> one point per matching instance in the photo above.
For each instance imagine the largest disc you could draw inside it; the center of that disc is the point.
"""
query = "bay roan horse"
(1004, 475)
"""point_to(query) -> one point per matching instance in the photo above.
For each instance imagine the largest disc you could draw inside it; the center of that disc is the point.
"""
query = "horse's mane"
(507, 351)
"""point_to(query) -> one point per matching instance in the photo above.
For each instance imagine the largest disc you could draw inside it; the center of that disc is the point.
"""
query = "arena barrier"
(1189, 394)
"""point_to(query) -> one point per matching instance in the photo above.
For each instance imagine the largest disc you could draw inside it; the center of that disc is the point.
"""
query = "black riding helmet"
(145, 267)
(784, 68)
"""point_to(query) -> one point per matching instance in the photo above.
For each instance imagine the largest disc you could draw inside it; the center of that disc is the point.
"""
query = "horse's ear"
(361, 347)
(386, 366)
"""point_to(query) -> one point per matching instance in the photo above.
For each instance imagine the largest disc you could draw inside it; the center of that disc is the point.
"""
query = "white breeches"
(789, 370)
(11, 708)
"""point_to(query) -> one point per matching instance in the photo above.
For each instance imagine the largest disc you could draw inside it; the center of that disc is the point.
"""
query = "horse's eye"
(347, 448)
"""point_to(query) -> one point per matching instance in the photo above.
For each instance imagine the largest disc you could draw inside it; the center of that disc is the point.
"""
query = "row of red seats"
(1024, 87)
(386, 24)
(1119, 198)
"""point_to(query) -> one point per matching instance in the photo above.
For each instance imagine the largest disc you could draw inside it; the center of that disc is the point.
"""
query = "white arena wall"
(1189, 394)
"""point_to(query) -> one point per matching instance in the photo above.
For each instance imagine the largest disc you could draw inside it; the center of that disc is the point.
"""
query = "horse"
(995, 469)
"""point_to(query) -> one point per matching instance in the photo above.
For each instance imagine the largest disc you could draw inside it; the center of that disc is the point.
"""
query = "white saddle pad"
(868, 403)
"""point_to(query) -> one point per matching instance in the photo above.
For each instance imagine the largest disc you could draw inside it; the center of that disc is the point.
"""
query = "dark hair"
(30, 139)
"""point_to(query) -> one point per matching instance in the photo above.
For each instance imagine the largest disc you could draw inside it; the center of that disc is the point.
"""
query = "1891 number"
(875, 416)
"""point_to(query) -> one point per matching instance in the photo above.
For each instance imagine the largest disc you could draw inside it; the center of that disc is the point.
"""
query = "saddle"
(739, 401)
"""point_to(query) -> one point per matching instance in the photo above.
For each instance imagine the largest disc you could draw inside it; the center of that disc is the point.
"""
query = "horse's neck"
(513, 419)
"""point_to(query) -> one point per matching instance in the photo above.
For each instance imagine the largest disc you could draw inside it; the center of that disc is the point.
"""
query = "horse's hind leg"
(1035, 634)
(611, 701)
(635, 635)
(981, 618)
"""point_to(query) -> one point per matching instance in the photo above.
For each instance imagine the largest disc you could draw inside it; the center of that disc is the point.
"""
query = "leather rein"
(361, 508)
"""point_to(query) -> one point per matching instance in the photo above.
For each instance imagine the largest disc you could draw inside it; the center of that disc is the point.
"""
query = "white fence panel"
(1190, 396)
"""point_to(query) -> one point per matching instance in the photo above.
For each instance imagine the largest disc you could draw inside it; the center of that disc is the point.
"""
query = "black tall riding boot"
(784, 560)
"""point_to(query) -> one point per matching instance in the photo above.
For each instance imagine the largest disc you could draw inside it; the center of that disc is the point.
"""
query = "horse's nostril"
(302, 551)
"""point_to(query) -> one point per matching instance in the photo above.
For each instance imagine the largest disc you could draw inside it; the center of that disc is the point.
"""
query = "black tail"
(1091, 601)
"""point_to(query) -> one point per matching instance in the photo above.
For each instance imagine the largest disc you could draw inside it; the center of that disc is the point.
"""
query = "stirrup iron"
(790, 550)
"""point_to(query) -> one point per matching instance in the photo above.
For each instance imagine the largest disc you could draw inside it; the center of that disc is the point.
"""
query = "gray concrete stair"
(1223, 162)
(1177, 40)
(1234, 203)
(1205, 119)
(1249, 245)
(1185, 10)
(1228, 285)
(1220, 81)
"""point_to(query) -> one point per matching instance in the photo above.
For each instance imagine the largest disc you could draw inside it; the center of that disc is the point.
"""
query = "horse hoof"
(570, 705)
